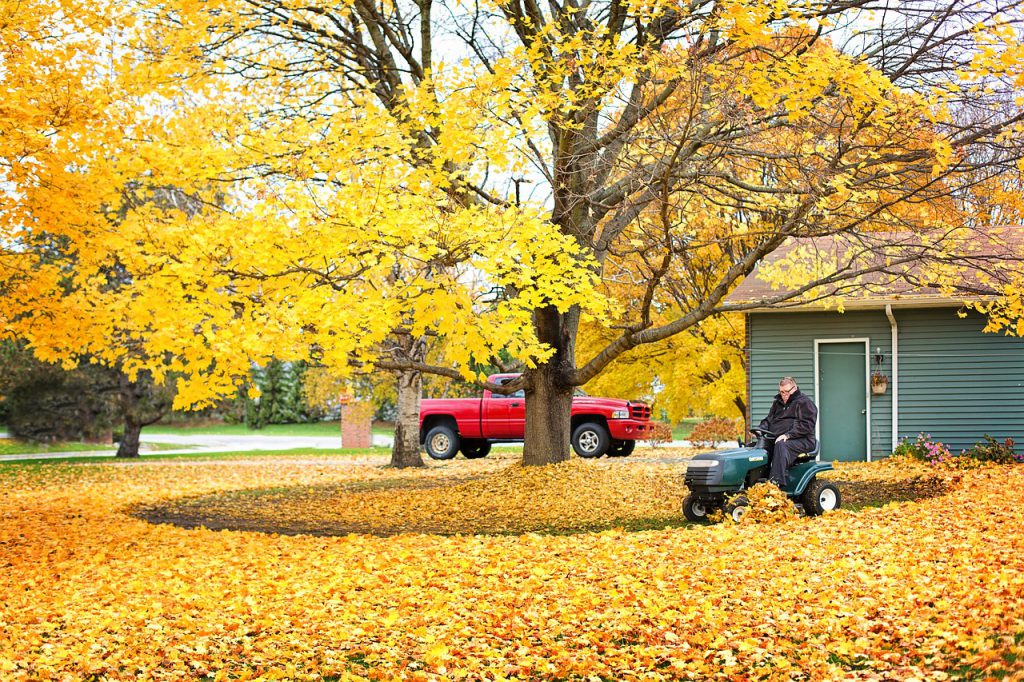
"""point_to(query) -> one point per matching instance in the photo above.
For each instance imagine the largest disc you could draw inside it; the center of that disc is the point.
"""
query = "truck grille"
(640, 411)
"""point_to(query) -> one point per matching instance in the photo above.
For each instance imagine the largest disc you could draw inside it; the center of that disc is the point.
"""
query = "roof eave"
(873, 303)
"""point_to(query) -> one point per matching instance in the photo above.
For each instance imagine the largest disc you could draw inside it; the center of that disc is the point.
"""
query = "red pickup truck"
(599, 425)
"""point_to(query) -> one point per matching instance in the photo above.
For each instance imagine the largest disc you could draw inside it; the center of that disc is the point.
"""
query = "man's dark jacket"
(797, 417)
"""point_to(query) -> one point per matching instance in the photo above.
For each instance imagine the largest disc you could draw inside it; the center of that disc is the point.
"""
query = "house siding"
(955, 382)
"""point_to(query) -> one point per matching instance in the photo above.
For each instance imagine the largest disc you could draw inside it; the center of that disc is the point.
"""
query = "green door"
(842, 402)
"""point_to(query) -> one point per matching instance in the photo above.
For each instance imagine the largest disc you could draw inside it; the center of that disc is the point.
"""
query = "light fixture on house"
(879, 381)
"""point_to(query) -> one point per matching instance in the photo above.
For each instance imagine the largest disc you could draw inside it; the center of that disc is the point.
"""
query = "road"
(203, 443)
(197, 444)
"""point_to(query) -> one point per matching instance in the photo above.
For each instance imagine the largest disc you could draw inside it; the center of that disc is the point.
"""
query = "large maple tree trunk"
(548, 390)
(406, 450)
(548, 408)
(141, 403)
(548, 393)
(129, 445)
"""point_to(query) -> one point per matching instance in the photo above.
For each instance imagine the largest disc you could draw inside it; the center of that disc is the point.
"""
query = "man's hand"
(782, 438)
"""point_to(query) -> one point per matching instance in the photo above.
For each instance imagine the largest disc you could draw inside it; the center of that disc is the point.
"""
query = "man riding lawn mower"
(785, 453)
(717, 480)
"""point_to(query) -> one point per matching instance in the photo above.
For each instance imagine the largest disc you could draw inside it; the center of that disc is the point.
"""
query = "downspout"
(749, 416)
(894, 330)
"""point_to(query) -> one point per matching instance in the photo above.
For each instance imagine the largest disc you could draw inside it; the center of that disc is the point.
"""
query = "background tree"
(140, 402)
(281, 398)
(45, 402)
(69, 115)
(701, 371)
(106, 385)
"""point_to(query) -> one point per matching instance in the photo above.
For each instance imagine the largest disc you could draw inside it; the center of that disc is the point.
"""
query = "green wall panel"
(957, 383)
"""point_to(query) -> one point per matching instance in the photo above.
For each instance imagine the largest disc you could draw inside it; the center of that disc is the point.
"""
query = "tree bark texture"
(548, 406)
(405, 452)
(141, 403)
(129, 445)
(548, 391)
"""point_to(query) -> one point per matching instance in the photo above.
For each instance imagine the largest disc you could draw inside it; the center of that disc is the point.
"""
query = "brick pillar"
(355, 425)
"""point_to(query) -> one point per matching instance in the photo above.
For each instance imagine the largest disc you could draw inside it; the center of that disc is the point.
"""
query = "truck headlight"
(620, 414)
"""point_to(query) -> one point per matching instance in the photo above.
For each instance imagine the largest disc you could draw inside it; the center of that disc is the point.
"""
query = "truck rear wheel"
(590, 440)
(442, 442)
(475, 449)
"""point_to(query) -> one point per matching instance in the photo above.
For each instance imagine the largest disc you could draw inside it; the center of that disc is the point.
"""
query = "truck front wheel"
(590, 440)
(442, 442)
(621, 448)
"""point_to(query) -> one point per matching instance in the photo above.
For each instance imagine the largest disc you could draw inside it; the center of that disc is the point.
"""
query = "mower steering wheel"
(763, 438)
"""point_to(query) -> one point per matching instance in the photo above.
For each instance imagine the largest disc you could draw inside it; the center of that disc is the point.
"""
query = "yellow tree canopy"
(219, 235)
(307, 179)
(701, 371)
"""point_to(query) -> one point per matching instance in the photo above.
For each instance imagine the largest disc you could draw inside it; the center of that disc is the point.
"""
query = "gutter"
(894, 330)
(876, 303)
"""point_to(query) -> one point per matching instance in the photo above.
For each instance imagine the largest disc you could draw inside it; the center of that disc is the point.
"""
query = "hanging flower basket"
(879, 383)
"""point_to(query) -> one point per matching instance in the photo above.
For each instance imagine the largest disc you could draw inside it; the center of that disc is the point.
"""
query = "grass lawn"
(681, 431)
(201, 457)
(317, 429)
(17, 447)
(9, 446)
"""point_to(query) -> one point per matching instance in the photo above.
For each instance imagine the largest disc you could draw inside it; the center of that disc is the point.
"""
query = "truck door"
(504, 416)
(517, 415)
(493, 415)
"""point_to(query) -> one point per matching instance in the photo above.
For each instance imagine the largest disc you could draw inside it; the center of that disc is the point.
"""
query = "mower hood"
(724, 470)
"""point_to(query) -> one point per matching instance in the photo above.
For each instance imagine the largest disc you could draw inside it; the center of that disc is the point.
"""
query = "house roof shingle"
(898, 269)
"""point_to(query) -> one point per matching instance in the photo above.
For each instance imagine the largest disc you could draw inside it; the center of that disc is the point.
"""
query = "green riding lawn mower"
(716, 480)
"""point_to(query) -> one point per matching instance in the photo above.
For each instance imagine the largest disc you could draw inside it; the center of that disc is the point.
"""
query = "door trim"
(867, 387)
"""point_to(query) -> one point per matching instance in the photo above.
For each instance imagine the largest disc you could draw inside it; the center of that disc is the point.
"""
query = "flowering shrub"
(991, 450)
(924, 449)
(714, 430)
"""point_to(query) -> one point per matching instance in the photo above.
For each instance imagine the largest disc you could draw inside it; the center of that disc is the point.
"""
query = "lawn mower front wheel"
(696, 509)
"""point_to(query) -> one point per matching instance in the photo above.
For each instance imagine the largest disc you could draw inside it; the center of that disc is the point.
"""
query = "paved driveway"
(202, 443)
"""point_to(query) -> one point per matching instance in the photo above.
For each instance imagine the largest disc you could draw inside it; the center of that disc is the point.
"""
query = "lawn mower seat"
(809, 456)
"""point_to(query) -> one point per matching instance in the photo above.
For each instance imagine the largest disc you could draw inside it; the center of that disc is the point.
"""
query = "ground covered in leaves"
(492, 496)
(930, 586)
(498, 496)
